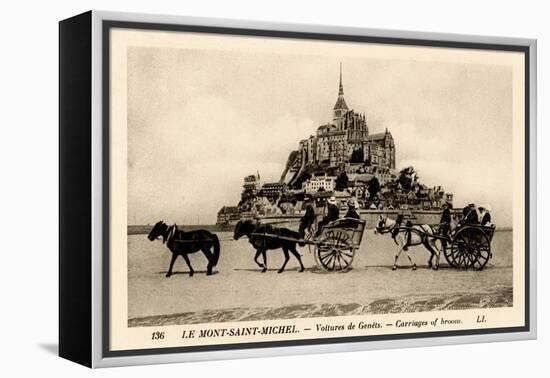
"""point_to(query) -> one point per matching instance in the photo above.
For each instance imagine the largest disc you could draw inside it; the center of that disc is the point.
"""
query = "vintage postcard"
(274, 189)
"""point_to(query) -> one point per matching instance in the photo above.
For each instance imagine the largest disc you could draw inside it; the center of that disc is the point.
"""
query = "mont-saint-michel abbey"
(343, 144)
(343, 159)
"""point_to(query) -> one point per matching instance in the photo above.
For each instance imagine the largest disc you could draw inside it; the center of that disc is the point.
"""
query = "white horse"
(409, 236)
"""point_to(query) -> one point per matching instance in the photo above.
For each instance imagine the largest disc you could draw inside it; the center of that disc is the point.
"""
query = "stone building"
(272, 190)
(342, 145)
(344, 140)
(228, 215)
(316, 183)
(252, 183)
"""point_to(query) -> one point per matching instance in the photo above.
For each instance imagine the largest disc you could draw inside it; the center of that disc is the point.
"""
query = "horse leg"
(438, 254)
(172, 261)
(285, 251)
(208, 255)
(397, 257)
(265, 260)
(426, 244)
(411, 260)
(258, 253)
(297, 255)
(186, 258)
(433, 250)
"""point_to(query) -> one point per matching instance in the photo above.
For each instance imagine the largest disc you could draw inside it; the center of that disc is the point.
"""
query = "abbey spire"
(341, 88)
(340, 108)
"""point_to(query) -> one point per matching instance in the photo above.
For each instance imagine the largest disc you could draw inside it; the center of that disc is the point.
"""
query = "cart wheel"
(310, 236)
(335, 251)
(483, 252)
(470, 248)
(447, 251)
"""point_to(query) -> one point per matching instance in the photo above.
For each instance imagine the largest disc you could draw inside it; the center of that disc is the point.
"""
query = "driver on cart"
(332, 214)
(445, 221)
(309, 217)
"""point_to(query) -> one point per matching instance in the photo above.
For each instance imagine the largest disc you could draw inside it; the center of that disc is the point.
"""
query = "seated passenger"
(332, 214)
(470, 215)
(352, 209)
(485, 214)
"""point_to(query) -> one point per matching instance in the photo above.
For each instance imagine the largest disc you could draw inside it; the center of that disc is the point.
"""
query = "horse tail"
(216, 254)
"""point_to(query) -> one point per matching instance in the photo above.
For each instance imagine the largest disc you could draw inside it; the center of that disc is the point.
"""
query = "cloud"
(186, 165)
(461, 171)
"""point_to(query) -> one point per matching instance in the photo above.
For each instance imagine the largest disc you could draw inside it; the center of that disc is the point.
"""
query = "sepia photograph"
(295, 190)
(302, 184)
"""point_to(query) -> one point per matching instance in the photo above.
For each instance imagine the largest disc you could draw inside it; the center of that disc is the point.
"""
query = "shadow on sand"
(259, 270)
(214, 272)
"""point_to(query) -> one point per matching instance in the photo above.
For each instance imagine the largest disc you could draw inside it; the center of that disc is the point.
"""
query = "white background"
(28, 156)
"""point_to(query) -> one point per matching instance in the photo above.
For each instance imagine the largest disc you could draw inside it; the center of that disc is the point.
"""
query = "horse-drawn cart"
(337, 243)
(469, 246)
(334, 247)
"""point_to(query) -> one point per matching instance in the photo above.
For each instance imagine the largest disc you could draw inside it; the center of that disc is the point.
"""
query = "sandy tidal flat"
(239, 291)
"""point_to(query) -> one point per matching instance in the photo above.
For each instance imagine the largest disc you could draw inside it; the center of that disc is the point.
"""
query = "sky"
(201, 120)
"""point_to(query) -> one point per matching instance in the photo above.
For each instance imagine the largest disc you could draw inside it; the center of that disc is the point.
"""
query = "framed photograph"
(232, 189)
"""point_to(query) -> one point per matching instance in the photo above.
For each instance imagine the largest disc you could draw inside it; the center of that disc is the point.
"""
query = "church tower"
(340, 108)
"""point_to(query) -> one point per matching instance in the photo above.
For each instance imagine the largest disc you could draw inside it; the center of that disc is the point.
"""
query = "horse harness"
(408, 228)
(171, 232)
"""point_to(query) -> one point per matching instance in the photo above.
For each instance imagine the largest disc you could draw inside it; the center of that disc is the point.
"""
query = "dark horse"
(182, 243)
(264, 243)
